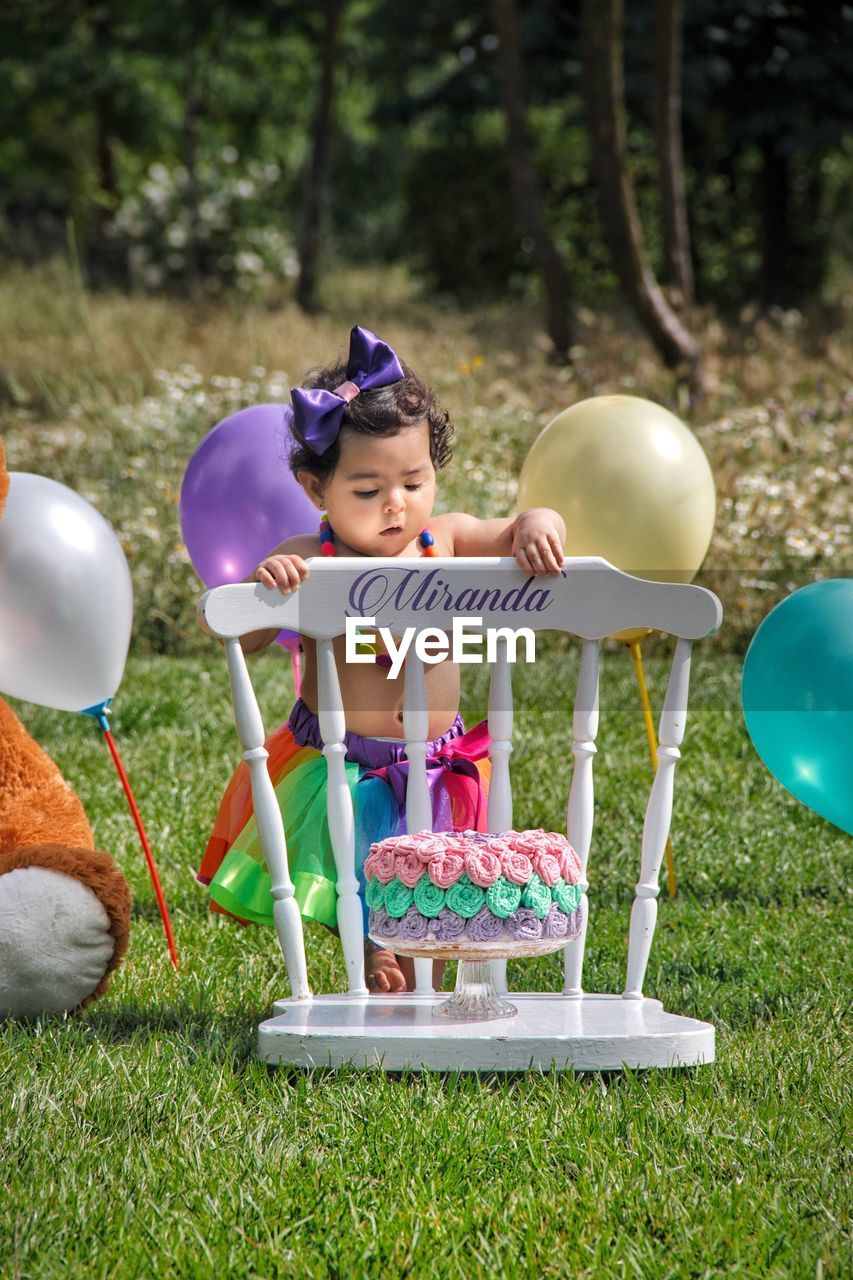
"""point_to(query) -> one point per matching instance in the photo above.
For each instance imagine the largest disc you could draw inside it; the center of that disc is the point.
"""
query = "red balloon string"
(149, 858)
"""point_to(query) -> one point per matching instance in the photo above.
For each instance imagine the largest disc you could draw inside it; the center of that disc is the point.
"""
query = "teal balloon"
(797, 695)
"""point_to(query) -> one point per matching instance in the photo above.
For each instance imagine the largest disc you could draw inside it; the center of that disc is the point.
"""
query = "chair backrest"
(589, 598)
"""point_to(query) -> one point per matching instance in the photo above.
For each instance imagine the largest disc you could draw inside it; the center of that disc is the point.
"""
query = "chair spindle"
(579, 816)
(499, 817)
(657, 821)
(250, 730)
(418, 804)
(341, 817)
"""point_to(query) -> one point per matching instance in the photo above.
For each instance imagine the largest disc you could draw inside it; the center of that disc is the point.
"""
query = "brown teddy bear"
(64, 906)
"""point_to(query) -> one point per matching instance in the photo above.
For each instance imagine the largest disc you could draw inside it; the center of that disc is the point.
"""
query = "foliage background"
(108, 107)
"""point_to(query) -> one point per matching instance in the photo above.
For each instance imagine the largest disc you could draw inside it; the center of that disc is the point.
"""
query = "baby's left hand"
(537, 542)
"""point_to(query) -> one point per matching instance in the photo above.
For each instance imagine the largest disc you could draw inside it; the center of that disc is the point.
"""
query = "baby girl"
(368, 441)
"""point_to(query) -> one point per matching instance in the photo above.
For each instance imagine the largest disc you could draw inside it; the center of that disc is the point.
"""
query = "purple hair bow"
(318, 414)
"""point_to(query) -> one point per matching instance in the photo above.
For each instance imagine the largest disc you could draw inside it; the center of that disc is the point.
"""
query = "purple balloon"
(239, 498)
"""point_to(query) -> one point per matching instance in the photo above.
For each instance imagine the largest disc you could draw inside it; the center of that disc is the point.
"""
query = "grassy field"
(145, 1138)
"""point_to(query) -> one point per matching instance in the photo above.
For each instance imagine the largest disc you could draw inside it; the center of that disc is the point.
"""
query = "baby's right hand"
(284, 572)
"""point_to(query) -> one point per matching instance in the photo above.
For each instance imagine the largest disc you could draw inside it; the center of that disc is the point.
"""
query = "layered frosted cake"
(467, 888)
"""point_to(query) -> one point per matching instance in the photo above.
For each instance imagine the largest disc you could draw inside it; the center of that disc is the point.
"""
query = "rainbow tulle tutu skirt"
(458, 772)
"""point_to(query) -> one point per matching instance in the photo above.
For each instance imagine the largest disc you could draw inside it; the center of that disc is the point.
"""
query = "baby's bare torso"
(373, 702)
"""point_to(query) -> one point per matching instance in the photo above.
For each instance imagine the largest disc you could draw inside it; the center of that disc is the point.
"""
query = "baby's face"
(382, 493)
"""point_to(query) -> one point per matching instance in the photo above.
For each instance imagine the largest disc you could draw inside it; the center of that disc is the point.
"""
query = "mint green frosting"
(567, 896)
(537, 896)
(465, 898)
(429, 899)
(375, 894)
(398, 898)
(503, 897)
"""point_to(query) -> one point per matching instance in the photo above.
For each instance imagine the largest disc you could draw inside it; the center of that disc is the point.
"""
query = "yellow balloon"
(631, 482)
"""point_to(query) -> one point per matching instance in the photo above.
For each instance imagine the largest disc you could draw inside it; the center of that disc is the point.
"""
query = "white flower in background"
(249, 262)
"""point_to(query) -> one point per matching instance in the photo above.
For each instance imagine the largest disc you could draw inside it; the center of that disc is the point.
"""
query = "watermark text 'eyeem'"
(464, 644)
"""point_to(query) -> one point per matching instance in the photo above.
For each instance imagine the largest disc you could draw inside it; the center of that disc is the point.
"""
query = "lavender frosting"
(556, 923)
(413, 925)
(383, 924)
(448, 926)
(525, 925)
(484, 927)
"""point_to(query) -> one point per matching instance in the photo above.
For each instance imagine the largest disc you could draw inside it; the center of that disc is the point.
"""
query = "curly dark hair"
(380, 412)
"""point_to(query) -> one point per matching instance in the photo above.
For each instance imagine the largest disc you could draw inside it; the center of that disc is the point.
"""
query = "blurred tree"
(439, 114)
(677, 267)
(314, 196)
(97, 99)
(523, 176)
(768, 104)
(601, 42)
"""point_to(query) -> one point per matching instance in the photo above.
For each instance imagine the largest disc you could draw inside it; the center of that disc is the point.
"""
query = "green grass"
(146, 1139)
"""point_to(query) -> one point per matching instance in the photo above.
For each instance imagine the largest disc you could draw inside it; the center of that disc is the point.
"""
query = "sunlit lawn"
(146, 1139)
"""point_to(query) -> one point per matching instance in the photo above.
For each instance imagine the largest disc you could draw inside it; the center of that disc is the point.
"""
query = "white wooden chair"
(590, 599)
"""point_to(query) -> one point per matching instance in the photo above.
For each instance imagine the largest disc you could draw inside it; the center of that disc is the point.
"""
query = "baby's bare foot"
(382, 972)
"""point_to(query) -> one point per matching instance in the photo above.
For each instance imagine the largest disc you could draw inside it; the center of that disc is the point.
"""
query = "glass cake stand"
(475, 998)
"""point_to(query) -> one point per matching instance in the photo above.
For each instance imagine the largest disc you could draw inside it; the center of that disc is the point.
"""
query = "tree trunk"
(314, 191)
(104, 107)
(601, 44)
(678, 270)
(523, 178)
(107, 259)
(192, 113)
(775, 224)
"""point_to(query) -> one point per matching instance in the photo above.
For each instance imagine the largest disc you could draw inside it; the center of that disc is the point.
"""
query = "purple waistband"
(371, 753)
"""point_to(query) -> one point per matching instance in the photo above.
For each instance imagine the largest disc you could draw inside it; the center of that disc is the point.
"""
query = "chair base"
(592, 1033)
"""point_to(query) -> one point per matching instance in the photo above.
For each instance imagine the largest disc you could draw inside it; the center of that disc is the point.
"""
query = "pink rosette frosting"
(554, 841)
(456, 842)
(370, 863)
(497, 845)
(570, 865)
(382, 863)
(546, 867)
(481, 866)
(400, 846)
(409, 869)
(446, 869)
(517, 867)
(390, 842)
(528, 842)
(429, 845)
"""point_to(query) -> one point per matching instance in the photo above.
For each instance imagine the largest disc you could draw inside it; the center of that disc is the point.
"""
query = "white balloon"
(66, 600)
